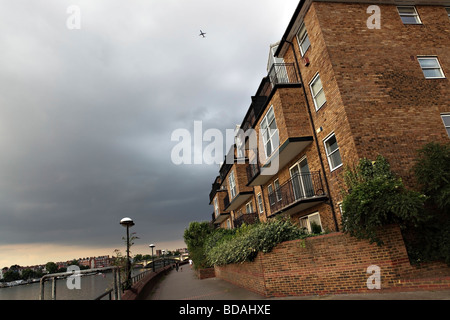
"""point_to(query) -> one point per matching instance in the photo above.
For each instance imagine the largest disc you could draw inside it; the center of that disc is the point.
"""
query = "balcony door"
(301, 180)
(276, 68)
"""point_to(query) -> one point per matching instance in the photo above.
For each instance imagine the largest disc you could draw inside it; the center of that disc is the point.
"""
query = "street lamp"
(127, 222)
(153, 258)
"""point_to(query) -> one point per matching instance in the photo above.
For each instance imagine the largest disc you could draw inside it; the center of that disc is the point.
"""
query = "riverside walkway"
(184, 285)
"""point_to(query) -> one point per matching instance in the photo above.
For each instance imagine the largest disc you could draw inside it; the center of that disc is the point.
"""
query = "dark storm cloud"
(86, 115)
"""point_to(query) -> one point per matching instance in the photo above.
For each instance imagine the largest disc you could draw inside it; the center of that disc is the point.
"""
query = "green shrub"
(430, 241)
(432, 171)
(195, 237)
(375, 197)
(248, 240)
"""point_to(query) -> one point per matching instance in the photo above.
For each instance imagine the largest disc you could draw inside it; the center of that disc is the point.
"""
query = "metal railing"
(247, 218)
(299, 187)
(253, 170)
(63, 275)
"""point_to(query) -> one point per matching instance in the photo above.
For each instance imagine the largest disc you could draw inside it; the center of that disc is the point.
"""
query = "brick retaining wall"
(333, 264)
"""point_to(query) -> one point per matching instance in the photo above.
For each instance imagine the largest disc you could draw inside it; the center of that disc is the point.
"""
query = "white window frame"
(302, 36)
(308, 223)
(314, 95)
(247, 206)
(232, 185)
(276, 186)
(329, 154)
(273, 142)
(428, 68)
(260, 203)
(447, 128)
(216, 206)
(269, 191)
(415, 15)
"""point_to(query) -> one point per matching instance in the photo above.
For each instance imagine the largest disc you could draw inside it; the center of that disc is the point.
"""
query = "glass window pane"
(432, 73)
(428, 63)
(406, 10)
(320, 99)
(305, 44)
(304, 223)
(446, 120)
(331, 144)
(270, 115)
(264, 124)
(268, 149)
(301, 32)
(314, 219)
(316, 86)
(272, 128)
(410, 19)
(448, 131)
(335, 159)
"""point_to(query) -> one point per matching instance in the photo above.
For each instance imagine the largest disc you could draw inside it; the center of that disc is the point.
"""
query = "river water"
(91, 287)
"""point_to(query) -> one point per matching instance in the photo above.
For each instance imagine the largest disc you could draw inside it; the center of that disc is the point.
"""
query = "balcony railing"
(300, 187)
(279, 73)
(252, 171)
(247, 218)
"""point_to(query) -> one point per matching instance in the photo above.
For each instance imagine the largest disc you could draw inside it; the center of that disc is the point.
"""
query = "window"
(228, 224)
(311, 223)
(216, 207)
(340, 208)
(448, 11)
(302, 184)
(271, 195)
(276, 184)
(446, 119)
(269, 132)
(303, 40)
(260, 203)
(409, 15)
(317, 92)
(333, 154)
(431, 67)
(232, 184)
(249, 207)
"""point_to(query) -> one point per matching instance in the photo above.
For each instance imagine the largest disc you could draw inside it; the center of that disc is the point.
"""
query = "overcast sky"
(86, 116)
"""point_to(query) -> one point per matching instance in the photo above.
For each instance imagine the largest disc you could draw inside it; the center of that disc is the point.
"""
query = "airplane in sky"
(202, 34)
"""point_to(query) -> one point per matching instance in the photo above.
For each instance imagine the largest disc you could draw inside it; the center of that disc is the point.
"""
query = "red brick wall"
(331, 264)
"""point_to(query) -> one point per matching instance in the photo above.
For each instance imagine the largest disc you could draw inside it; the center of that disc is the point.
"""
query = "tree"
(431, 240)
(432, 171)
(194, 237)
(376, 197)
(51, 267)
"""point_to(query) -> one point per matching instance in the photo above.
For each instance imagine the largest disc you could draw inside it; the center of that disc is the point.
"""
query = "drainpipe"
(336, 225)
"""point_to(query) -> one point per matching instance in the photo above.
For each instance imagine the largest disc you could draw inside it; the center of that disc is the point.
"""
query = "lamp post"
(153, 258)
(127, 222)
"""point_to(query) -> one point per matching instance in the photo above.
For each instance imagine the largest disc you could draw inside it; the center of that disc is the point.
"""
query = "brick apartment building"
(338, 90)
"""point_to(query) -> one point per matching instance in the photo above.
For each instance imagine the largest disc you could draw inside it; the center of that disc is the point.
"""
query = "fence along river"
(91, 287)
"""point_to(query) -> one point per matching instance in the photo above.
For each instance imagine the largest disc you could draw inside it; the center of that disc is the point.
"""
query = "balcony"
(258, 174)
(300, 192)
(222, 215)
(247, 218)
(239, 199)
(279, 74)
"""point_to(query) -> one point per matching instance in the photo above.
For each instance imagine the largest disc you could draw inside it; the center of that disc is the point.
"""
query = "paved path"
(184, 285)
